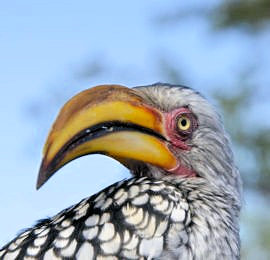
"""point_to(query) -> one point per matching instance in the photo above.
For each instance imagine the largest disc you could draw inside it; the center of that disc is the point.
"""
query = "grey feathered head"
(210, 155)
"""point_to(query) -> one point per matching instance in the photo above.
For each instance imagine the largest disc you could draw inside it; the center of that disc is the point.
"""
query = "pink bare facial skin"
(178, 140)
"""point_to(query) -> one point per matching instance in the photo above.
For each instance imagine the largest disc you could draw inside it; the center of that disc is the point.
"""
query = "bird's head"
(155, 130)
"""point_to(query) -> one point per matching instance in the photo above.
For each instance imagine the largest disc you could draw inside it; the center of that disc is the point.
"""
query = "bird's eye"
(183, 123)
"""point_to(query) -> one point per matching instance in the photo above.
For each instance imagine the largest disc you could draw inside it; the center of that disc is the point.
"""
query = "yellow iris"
(183, 123)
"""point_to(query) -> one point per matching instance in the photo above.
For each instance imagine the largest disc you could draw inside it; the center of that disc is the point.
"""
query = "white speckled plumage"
(143, 229)
(156, 216)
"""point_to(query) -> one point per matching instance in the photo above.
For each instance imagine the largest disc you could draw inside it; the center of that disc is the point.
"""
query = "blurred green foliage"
(251, 14)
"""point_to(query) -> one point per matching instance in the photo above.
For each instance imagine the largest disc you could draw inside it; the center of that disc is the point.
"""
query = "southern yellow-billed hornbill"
(183, 200)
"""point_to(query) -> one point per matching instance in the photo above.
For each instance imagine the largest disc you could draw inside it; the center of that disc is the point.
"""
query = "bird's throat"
(181, 170)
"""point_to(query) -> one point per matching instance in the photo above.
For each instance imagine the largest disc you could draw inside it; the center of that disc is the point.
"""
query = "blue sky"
(44, 43)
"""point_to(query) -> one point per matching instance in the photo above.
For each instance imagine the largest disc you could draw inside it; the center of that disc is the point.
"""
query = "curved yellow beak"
(111, 120)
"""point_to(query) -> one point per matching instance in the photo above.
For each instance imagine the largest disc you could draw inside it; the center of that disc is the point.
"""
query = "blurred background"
(50, 50)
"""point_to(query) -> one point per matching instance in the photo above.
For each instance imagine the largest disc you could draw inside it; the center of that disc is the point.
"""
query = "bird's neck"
(213, 230)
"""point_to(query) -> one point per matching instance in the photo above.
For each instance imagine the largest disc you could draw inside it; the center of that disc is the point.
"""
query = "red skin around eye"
(171, 121)
(177, 140)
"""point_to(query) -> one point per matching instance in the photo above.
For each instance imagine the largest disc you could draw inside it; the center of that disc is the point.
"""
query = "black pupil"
(183, 122)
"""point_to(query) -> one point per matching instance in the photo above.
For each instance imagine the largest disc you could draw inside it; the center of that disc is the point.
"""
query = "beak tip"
(40, 180)
(39, 184)
(43, 175)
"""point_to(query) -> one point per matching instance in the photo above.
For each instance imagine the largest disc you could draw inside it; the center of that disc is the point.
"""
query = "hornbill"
(183, 199)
